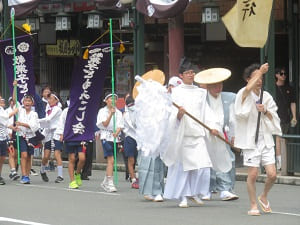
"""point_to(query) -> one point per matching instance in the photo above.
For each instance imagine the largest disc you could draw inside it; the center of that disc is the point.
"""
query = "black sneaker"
(59, 179)
(2, 182)
(85, 178)
(14, 176)
(44, 177)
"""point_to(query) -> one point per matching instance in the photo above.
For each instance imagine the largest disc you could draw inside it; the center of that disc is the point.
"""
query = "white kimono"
(246, 121)
(189, 145)
(188, 159)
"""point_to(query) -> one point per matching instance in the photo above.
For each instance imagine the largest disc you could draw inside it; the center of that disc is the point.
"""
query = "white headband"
(55, 96)
(108, 96)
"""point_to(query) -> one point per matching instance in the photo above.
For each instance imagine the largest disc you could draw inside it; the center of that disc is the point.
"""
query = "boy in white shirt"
(107, 136)
(50, 123)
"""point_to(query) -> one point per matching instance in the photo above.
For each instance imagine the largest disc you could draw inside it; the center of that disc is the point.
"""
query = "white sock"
(43, 168)
(60, 171)
(133, 180)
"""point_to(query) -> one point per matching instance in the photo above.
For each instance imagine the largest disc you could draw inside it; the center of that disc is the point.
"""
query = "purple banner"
(86, 90)
(24, 64)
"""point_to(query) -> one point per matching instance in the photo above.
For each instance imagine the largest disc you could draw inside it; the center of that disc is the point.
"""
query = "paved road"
(48, 203)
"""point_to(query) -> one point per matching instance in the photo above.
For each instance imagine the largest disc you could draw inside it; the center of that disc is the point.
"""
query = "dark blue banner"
(24, 64)
(86, 90)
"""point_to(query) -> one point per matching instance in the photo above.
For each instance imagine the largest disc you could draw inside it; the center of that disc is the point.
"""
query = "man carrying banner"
(222, 103)
(247, 108)
(27, 125)
(107, 136)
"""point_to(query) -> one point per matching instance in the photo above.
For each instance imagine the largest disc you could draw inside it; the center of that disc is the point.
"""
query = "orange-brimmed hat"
(155, 75)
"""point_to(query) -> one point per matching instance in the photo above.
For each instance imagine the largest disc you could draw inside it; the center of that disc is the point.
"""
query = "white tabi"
(187, 157)
(246, 120)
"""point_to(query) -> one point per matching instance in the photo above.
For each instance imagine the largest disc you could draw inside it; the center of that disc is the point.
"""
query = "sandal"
(253, 212)
(264, 207)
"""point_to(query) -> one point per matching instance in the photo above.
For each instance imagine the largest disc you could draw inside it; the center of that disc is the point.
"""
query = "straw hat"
(212, 76)
(156, 75)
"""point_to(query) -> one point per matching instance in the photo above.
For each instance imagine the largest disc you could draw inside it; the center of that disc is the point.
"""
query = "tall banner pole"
(113, 101)
(12, 16)
(265, 60)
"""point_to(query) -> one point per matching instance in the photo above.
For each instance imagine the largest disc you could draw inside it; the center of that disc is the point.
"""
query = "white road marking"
(5, 219)
(288, 214)
(68, 189)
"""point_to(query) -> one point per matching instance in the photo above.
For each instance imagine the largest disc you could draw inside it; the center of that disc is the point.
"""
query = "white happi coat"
(61, 125)
(31, 119)
(188, 145)
(246, 121)
(50, 122)
(129, 123)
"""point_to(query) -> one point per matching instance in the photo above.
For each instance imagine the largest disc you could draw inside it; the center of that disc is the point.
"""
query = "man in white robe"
(247, 107)
(187, 157)
(222, 103)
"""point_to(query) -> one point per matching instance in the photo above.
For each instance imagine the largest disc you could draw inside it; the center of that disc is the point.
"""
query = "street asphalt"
(43, 203)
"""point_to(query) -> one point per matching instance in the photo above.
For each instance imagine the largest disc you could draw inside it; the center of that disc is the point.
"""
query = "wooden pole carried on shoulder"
(208, 128)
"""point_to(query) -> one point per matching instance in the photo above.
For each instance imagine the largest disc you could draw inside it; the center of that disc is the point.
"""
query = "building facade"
(147, 42)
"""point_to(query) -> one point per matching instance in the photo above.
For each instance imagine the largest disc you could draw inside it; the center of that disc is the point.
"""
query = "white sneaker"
(196, 200)
(149, 197)
(228, 196)
(158, 198)
(183, 203)
(108, 186)
(206, 197)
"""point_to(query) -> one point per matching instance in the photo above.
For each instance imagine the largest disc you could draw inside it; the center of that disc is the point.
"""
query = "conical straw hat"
(156, 75)
(212, 76)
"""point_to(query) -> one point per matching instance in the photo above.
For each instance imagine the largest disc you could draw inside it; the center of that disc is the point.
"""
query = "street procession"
(181, 131)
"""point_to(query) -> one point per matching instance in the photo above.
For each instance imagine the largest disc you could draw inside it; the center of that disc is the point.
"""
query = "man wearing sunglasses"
(286, 102)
